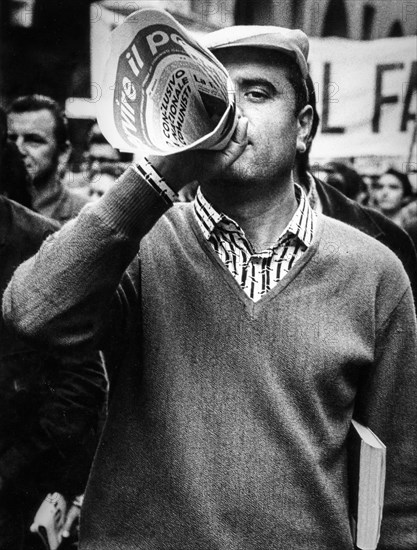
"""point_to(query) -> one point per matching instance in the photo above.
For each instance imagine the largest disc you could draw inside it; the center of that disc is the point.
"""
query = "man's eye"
(35, 139)
(256, 95)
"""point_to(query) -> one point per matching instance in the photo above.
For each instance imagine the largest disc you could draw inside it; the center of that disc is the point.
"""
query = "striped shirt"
(256, 272)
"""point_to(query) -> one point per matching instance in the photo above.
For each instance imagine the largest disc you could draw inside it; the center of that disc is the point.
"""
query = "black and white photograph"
(208, 273)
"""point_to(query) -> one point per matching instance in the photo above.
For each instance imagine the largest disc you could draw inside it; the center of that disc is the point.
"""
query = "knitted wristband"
(156, 181)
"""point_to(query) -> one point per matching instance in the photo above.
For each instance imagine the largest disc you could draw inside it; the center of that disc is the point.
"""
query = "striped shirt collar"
(300, 226)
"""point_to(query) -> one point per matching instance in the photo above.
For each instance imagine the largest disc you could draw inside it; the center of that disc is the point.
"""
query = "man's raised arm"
(64, 295)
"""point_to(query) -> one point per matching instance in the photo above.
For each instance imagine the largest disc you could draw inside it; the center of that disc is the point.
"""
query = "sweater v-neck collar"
(254, 308)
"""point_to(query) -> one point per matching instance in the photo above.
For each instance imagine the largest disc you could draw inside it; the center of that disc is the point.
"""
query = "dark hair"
(95, 137)
(295, 77)
(299, 85)
(14, 179)
(3, 130)
(403, 179)
(37, 102)
(351, 184)
(312, 100)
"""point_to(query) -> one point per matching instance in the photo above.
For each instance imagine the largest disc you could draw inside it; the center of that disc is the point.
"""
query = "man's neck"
(46, 192)
(301, 177)
(263, 214)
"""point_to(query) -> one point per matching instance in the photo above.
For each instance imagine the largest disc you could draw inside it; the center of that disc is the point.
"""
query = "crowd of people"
(225, 342)
(52, 405)
(390, 192)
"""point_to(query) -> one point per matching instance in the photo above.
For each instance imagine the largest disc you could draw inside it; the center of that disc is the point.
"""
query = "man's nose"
(240, 107)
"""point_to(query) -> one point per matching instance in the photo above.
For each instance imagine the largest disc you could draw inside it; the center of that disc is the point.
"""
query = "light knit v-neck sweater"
(228, 422)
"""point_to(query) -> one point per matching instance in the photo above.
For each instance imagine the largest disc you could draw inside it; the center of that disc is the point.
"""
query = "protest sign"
(367, 95)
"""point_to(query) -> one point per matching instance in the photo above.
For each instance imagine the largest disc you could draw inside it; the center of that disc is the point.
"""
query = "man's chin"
(40, 181)
(238, 173)
(31, 172)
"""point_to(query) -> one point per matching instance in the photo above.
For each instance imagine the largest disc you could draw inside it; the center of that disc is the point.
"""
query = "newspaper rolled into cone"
(163, 92)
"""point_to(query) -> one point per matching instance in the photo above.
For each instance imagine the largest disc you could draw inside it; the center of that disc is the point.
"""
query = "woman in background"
(393, 196)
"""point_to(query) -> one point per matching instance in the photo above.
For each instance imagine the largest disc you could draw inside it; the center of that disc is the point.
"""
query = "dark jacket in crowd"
(49, 406)
(411, 228)
(373, 223)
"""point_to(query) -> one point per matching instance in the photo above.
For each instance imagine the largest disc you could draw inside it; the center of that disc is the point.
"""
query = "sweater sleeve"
(65, 296)
(387, 404)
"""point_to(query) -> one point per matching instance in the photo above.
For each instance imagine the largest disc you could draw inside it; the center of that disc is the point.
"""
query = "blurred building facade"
(45, 44)
(44, 48)
(354, 19)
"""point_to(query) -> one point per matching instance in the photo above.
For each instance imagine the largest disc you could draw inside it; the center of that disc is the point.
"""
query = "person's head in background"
(39, 128)
(14, 180)
(101, 182)
(345, 179)
(391, 192)
(104, 164)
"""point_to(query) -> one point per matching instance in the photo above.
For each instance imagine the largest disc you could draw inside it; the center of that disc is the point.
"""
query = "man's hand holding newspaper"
(179, 169)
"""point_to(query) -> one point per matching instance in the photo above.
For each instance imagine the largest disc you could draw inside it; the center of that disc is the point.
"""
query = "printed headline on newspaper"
(162, 91)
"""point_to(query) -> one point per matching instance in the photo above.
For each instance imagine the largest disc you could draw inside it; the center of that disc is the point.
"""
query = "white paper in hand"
(50, 519)
(163, 92)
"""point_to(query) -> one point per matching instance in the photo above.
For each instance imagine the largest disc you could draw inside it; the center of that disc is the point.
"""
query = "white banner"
(367, 96)
(367, 91)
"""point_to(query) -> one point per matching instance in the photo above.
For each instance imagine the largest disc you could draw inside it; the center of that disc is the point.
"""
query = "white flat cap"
(291, 42)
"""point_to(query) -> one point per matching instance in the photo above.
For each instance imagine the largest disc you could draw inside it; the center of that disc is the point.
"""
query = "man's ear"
(304, 125)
